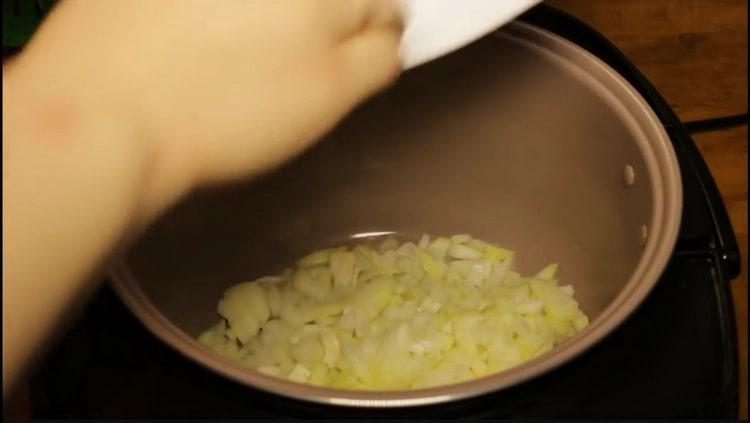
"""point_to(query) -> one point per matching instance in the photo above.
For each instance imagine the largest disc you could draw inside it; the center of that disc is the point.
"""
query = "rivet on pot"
(628, 176)
(644, 234)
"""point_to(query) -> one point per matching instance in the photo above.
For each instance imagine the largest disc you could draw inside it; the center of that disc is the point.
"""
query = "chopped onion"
(398, 316)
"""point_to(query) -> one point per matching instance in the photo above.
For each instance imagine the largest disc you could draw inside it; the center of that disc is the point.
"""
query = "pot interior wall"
(500, 140)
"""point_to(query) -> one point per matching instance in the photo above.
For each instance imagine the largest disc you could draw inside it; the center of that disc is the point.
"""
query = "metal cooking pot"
(522, 138)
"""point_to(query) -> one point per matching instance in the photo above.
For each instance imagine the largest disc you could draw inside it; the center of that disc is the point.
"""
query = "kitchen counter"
(695, 53)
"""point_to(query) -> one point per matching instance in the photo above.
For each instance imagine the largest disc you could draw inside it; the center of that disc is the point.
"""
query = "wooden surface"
(695, 53)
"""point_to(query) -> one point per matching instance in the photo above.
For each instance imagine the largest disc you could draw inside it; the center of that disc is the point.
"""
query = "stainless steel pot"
(522, 138)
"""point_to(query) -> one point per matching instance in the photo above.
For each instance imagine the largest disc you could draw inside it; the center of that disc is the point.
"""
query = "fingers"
(372, 60)
(385, 14)
(370, 54)
(353, 17)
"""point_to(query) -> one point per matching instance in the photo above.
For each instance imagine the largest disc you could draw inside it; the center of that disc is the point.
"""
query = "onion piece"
(402, 316)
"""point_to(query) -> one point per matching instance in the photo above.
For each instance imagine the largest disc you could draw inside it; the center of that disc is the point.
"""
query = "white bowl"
(437, 27)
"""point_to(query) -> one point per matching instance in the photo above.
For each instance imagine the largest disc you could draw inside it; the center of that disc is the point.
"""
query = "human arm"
(117, 109)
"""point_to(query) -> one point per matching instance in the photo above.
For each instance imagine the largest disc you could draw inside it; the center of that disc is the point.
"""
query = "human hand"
(117, 108)
(215, 90)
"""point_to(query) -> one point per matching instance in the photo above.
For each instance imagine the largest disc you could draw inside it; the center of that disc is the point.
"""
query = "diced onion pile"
(396, 316)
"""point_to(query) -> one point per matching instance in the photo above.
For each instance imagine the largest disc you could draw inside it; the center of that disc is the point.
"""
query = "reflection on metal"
(371, 234)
